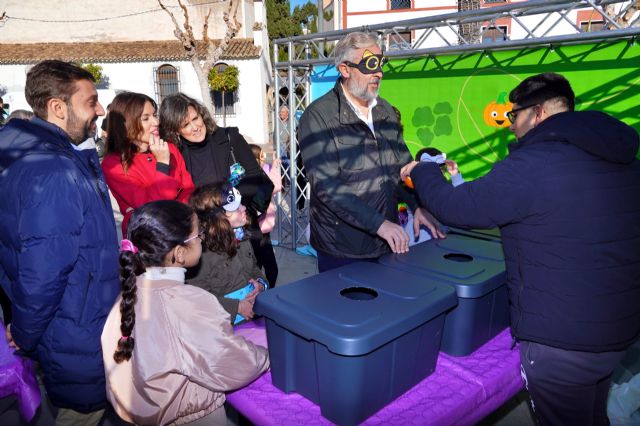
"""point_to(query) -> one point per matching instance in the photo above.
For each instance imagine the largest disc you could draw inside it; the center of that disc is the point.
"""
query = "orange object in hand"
(408, 182)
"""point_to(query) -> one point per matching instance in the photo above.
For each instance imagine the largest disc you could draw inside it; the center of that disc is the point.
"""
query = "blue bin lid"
(329, 308)
(478, 248)
(474, 267)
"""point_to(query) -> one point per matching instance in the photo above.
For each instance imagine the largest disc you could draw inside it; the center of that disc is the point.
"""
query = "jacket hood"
(592, 131)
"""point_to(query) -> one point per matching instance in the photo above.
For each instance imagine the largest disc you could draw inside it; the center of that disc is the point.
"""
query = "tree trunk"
(185, 35)
(202, 75)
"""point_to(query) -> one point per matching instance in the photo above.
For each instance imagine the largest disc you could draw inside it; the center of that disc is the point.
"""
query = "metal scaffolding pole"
(542, 23)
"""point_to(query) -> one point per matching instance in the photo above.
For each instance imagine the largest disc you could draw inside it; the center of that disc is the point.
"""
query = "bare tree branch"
(187, 43)
(213, 53)
(187, 25)
(205, 29)
(625, 19)
(633, 9)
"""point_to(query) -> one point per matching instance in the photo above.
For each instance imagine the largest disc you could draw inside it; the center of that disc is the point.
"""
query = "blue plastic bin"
(351, 339)
(476, 269)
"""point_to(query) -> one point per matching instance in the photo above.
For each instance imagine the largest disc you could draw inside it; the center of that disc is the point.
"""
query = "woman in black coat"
(210, 154)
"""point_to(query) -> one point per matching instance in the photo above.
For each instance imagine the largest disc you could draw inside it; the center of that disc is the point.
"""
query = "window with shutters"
(167, 81)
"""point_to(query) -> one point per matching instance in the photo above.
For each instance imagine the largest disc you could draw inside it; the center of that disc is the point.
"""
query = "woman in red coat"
(139, 166)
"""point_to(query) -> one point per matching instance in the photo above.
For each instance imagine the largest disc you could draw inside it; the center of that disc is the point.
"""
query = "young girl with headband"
(168, 348)
(228, 268)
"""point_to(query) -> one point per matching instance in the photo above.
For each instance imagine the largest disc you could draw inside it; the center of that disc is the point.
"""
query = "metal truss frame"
(438, 35)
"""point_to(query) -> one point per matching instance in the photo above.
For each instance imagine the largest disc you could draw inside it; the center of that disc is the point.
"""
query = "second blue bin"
(476, 269)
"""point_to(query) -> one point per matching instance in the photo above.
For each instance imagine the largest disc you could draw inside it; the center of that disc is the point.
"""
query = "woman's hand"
(160, 149)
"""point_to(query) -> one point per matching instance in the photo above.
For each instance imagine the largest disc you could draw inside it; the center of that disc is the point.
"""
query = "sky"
(294, 3)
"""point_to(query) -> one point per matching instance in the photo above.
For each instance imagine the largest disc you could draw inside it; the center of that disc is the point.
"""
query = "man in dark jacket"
(58, 251)
(566, 201)
(352, 148)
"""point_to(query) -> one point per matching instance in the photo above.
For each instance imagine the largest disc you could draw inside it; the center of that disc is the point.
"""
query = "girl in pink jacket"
(168, 348)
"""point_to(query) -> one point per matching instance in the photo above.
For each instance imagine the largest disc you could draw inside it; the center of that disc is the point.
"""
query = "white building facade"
(134, 44)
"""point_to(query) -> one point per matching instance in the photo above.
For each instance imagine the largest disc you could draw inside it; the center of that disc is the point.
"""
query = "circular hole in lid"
(458, 257)
(359, 293)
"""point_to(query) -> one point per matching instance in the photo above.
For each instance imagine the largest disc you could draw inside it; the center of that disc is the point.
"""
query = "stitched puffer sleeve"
(49, 225)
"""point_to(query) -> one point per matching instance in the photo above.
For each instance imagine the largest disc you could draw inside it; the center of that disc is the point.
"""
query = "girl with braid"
(168, 348)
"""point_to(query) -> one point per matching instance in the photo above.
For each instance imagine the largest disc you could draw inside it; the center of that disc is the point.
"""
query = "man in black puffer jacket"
(566, 201)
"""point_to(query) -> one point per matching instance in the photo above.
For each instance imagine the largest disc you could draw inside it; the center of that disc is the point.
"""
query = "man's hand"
(395, 236)
(406, 170)
(423, 217)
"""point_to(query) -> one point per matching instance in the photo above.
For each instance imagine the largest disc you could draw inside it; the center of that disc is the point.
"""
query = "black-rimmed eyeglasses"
(513, 114)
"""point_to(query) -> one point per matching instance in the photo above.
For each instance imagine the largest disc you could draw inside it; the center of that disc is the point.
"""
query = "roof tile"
(134, 51)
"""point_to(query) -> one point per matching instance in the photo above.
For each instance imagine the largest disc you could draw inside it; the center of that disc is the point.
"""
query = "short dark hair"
(52, 79)
(540, 88)
(173, 111)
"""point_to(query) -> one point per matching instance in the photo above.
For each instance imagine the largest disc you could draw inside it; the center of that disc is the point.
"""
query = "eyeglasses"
(513, 114)
(369, 64)
(200, 235)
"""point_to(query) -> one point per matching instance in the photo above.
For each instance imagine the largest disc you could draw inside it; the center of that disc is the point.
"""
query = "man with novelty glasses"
(352, 148)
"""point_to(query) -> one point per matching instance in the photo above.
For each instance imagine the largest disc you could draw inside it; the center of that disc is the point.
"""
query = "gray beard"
(361, 92)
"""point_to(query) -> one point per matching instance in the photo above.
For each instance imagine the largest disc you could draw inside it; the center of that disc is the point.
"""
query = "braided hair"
(155, 229)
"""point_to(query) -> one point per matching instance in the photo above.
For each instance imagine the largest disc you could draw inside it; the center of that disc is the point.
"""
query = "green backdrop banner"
(457, 103)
